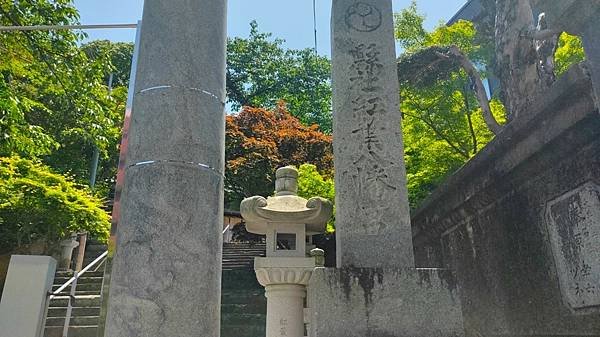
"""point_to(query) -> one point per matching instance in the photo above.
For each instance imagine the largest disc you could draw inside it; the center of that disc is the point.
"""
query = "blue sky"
(291, 20)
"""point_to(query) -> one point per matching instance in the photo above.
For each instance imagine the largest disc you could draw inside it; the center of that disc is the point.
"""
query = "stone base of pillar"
(359, 302)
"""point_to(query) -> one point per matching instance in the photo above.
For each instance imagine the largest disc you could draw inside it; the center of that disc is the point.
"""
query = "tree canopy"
(443, 121)
(443, 124)
(38, 204)
(54, 108)
(260, 73)
(311, 183)
(259, 141)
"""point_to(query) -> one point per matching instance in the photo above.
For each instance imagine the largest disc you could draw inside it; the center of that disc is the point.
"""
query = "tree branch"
(482, 98)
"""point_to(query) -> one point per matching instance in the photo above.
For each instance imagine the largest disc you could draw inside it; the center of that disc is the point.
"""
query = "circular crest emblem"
(363, 17)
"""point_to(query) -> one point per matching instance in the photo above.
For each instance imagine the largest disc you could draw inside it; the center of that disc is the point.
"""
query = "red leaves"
(258, 141)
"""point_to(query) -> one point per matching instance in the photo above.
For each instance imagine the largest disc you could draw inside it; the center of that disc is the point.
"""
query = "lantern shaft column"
(285, 280)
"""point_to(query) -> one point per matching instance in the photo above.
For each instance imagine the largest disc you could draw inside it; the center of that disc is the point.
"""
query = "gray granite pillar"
(376, 290)
(372, 220)
(167, 268)
(591, 44)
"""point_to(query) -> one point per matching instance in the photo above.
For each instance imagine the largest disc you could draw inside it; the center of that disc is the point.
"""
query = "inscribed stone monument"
(371, 195)
(375, 291)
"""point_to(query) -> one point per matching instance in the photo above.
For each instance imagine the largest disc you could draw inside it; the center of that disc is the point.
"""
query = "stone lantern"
(288, 221)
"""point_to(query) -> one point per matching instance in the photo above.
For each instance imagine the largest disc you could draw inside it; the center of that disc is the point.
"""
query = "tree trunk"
(516, 58)
(484, 103)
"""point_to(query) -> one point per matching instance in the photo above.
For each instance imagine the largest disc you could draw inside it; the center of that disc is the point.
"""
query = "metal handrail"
(78, 274)
(73, 282)
(226, 229)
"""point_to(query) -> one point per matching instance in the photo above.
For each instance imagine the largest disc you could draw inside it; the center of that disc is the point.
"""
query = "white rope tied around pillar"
(171, 161)
(163, 87)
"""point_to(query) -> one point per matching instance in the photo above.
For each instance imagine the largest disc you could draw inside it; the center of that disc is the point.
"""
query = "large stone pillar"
(167, 268)
(372, 220)
(591, 44)
(376, 290)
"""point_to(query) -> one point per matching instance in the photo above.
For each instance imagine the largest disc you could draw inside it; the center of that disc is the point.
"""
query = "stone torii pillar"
(166, 276)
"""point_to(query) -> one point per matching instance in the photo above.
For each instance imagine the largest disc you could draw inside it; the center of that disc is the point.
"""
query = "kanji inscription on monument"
(573, 222)
(371, 178)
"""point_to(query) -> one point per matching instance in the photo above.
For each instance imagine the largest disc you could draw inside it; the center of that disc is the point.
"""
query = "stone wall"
(520, 223)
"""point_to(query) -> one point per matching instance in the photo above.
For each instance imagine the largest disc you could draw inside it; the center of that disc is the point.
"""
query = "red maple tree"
(258, 141)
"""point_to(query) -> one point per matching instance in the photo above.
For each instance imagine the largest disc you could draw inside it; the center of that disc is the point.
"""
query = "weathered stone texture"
(354, 302)
(519, 222)
(372, 220)
(166, 276)
(166, 272)
(579, 18)
(573, 224)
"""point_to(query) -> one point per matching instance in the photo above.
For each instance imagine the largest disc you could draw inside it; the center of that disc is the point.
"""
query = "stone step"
(74, 331)
(84, 279)
(75, 321)
(232, 268)
(238, 256)
(78, 292)
(244, 308)
(81, 287)
(80, 301)
(243, 330)
(258, 320)
(88, 260)
(249, 255)
(90, 248)
(239, 261)
(69, 274)
(76, 311)
(249, 299)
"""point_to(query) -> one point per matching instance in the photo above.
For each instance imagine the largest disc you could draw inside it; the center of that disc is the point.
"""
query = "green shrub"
(38, 204)
(312, 184)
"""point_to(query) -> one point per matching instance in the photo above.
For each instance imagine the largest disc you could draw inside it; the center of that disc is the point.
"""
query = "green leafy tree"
(260, 73)
(443, 124)
(120, 55)
(55, 102)
(38, 204)
(447, 116)
(55, 109)
(311, 183)
(569, 52)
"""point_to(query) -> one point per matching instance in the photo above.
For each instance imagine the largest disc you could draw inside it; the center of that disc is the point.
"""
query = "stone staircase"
(240, 256)
(243, 303)
(86, 306)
